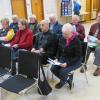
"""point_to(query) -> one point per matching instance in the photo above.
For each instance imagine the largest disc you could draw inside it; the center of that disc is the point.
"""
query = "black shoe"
(59, 85)
(82, 70)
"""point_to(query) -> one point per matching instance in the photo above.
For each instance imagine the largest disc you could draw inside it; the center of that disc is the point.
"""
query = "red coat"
(24, 39)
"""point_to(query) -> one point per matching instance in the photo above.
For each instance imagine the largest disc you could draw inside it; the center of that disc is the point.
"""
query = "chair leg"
(72, 86)
(85, 74)
(48, 66)
(13, 68)
(47, 73)
(52, 76)
(70, 80)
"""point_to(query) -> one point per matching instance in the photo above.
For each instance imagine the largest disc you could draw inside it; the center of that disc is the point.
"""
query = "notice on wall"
(66, 7)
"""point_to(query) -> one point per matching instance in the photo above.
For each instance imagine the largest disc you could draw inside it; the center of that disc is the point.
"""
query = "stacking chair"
(27, 77)
(84, 53)
(5, 60)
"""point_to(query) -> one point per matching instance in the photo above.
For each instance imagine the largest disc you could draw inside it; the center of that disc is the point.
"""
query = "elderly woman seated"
(69, 55)
(6, 33)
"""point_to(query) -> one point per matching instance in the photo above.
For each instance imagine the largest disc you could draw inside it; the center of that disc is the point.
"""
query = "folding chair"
(84, 53)
(5, 60)
(28, 65)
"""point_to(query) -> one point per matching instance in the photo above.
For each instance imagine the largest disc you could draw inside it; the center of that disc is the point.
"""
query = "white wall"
(5, 9)
(28, 8)
(49, 7)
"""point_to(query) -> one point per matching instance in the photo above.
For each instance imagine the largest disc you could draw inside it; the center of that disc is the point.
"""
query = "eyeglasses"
(41, 24)
(98, 16)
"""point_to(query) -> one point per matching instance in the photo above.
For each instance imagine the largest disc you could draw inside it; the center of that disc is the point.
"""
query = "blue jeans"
(62, 73)
(14, 53)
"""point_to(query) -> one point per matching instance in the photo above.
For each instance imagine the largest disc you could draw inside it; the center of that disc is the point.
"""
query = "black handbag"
(43, 86)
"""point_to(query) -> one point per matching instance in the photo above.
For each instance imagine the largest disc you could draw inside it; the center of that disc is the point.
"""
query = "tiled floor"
(81, 91)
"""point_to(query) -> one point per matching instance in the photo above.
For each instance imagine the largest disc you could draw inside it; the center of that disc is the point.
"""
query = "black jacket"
(48, 42)
(71, 53)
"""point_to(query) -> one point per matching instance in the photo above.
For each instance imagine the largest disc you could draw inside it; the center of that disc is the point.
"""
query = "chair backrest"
(84, 50)
(5, 57)
(28, 63)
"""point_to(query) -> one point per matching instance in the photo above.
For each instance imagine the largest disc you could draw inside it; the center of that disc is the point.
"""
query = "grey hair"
(33, 16)
(14, 16)
(53, 16)
(44, 21)
(67, 28)
(76, 16)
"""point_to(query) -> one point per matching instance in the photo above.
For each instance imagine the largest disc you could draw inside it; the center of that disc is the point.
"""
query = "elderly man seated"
(78, 27)
(46, 43)
(69, 55)
(54, 26)
(93, 42)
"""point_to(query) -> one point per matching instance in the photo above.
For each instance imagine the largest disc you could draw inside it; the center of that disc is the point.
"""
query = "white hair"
(67, 28)
(99, 14)
(44, 21)
(75, 17)
(33, 16)
(53, 16)
(14, 16)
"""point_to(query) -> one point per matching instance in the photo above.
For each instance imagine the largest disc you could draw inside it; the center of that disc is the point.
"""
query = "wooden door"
(88, 10)
(19, 8)
(37, 9)
(98, 6)
(95, 5)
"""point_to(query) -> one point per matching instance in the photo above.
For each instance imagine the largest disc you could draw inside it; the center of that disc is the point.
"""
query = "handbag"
(43, 86)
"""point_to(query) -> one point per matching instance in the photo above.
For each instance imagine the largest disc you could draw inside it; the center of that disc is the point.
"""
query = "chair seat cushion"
(17, 83)
(3, 71)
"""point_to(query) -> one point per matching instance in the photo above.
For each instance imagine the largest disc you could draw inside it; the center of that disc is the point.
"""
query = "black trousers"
(89, 50)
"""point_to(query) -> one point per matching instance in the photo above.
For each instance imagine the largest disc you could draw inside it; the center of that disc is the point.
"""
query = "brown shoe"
(97, 72)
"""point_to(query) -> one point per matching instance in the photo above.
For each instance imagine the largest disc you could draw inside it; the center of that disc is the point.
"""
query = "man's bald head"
(44, 25)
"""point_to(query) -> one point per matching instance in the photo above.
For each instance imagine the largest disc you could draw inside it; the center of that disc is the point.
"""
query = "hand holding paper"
(92, 39)
(53, 62)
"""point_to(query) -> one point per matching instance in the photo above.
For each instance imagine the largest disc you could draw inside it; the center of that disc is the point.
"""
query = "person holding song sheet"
(69, 56)
(93, 44)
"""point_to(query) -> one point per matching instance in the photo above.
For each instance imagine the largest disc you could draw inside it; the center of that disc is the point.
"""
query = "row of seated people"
(8, 31)
(54, 26)
(93, 45)
(47, 43)
(69, 49)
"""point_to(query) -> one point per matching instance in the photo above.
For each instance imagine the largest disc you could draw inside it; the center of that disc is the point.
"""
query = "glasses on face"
(41, 24)
(98, 16)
